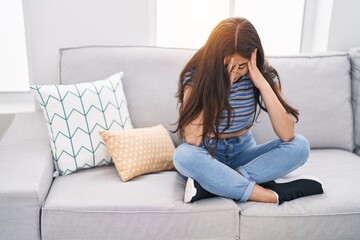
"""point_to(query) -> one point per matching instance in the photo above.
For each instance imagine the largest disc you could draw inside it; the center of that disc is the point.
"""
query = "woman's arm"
(281, 120)
(193, 131)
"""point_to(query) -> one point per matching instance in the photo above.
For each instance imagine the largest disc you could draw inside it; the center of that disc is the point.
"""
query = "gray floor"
(5, 120)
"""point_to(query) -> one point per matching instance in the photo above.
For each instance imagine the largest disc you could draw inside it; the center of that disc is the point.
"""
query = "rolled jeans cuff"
(246, 195)
(248, 190)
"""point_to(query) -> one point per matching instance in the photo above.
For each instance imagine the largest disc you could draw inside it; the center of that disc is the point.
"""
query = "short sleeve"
(275, 80)
(188, 77)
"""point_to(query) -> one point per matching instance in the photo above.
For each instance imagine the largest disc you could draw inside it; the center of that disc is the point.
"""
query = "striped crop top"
(241, 100)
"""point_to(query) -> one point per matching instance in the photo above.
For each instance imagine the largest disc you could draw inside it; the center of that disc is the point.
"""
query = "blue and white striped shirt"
(241, 100)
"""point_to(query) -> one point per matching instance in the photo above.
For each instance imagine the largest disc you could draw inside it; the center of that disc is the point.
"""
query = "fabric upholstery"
(75, 113)
(140, 151)
(320, 87)
(310, 83)
(332, 215)
(96, 204)
(25, 176)
(355, 88)
(150, 80)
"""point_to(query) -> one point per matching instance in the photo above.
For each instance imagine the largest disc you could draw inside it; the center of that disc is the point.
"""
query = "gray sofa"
(96, 204)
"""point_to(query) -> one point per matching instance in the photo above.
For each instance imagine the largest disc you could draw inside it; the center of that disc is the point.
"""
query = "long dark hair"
(210, 81)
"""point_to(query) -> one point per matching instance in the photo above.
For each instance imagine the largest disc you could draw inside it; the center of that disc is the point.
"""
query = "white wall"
(55, 24)
(316, 25)
(321, 25)
(344, 30)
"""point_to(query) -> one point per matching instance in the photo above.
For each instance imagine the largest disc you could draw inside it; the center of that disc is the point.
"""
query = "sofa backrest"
(355, 76)
(150, 77)
(319, 86)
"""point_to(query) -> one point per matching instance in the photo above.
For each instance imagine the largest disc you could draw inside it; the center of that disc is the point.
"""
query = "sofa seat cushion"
(314, 217)
(96, 204)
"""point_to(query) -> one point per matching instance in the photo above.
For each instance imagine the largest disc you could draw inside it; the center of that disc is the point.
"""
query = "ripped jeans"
(240, 163)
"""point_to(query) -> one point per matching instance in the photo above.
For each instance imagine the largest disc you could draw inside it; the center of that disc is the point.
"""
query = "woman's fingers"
(250, 65)
(232, 69)
(252, 62)
(253, 57)
(234, 73)
(235, 68)
(230, 65)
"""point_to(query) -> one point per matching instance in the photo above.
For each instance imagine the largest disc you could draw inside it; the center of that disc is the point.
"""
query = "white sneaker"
(194, 191)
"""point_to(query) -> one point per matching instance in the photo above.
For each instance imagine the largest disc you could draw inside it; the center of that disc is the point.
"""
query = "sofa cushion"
(355, 77)
(96, 204)
(139, 151)
(314, 217)
(319, 86)
(150, 81)
(74, 115)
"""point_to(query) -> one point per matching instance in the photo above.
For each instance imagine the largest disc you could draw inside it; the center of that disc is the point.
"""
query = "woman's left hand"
(254, 72)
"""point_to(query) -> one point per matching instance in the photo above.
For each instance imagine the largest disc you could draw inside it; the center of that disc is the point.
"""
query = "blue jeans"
(240, 163)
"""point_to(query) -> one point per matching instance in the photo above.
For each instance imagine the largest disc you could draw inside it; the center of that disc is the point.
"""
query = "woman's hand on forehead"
(236, 68)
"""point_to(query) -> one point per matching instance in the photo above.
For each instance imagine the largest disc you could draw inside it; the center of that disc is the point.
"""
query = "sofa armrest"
(26, 169)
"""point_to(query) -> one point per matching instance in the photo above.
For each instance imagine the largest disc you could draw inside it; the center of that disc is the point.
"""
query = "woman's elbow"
(287, 137)
(195, 141)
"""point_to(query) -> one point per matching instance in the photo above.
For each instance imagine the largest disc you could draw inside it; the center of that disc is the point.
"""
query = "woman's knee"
(183, 155)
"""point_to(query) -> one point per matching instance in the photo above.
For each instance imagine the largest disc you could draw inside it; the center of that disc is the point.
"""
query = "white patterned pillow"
(75, 114)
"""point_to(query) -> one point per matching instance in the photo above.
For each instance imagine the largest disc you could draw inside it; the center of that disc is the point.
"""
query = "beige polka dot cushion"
(140, 151)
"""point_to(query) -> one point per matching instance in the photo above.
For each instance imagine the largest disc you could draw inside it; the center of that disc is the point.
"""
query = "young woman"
(219, 91)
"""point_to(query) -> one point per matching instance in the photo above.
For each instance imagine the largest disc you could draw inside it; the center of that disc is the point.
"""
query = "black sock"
(288, 191)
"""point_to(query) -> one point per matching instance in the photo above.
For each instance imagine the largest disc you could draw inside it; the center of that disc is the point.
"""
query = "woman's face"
(239, 62)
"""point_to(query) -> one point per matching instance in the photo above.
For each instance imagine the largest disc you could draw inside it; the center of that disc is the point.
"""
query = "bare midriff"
(230, 135)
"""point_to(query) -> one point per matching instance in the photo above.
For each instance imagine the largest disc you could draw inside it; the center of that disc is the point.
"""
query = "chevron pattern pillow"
(75, 114)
